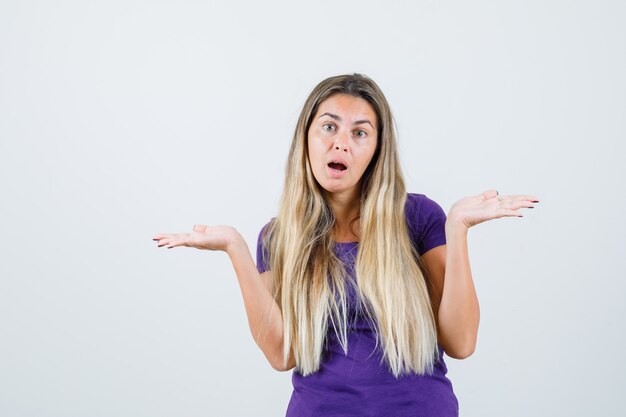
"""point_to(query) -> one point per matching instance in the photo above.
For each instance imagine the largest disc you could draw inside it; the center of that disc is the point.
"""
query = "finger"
(525, 197)
(163, 241)
(517, 204)
(200, 228)
(514, 213)
(508, 213)
(163, 236)
(176, 243)
(489, 194)
(513, 198)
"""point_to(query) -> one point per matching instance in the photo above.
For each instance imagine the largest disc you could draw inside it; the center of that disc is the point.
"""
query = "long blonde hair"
(391, 279)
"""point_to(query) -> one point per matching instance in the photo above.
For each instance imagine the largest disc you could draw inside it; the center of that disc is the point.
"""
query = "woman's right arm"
(264, 315)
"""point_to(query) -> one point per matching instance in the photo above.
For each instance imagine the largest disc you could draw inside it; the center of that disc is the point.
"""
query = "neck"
(345, 206)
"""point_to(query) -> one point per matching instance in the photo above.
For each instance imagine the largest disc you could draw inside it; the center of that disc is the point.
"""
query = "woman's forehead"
(343, 106)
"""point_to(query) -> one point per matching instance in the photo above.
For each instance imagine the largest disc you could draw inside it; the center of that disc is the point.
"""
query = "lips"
(338, 164)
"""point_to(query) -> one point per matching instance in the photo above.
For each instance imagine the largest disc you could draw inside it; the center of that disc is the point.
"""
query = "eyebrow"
(334, 116)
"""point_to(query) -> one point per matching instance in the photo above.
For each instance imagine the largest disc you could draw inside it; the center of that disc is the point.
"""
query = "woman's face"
(344, 131)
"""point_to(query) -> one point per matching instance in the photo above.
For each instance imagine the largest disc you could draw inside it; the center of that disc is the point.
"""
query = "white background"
(123, 119)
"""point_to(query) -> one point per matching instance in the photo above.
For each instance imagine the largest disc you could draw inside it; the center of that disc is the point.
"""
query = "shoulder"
(426, 220)
(421, 207)
(262, 238)
(421, 204)
(264, 228)
(413, 202)
(413, 209)
(262, 250)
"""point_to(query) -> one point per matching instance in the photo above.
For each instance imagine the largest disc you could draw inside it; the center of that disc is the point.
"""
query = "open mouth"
(337, 166)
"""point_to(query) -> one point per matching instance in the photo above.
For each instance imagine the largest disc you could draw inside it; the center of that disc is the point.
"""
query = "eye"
(328, 124)
(362, 131)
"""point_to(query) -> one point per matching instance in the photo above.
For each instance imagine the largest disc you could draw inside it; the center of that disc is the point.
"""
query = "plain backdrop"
(123, 119)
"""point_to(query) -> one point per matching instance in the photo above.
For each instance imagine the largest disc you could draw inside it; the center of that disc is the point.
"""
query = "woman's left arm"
(455, 303)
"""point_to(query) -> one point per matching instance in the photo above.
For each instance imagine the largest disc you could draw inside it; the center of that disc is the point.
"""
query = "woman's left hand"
(476, 209)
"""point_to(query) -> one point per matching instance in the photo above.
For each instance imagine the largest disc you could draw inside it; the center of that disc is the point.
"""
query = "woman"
(359, 285)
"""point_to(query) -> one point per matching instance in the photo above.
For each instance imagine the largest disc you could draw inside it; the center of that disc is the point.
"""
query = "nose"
(341, 141)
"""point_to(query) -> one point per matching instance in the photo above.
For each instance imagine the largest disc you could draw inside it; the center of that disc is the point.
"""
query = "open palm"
(202, 237)
(489, 205)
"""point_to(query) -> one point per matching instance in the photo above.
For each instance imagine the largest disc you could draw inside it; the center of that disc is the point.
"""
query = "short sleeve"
(432, 220)
(262, 257)
(426, 220)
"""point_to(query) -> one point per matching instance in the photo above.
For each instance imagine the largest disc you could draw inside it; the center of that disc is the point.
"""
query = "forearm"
(264, 315)
(459, 312)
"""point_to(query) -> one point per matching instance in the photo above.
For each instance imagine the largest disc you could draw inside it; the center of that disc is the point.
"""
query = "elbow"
(279, 365)
(463, 351)
(281, 368)
(278, 368)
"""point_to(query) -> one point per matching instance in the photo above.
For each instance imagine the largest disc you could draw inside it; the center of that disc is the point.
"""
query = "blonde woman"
(359, 286)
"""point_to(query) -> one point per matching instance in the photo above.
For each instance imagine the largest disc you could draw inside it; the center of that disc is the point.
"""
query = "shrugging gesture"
(344, 159)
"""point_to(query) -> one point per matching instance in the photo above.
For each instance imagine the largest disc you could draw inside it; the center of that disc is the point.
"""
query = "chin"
(335, 189)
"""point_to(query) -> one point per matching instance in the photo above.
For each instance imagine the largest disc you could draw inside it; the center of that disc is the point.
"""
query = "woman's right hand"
(202, 237)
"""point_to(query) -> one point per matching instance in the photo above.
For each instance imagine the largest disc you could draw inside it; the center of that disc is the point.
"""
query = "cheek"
(366, 156)
(314, 157)
(370, 153)
(315, 150)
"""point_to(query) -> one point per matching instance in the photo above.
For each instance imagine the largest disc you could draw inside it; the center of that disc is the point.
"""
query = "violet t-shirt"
(357, 384)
